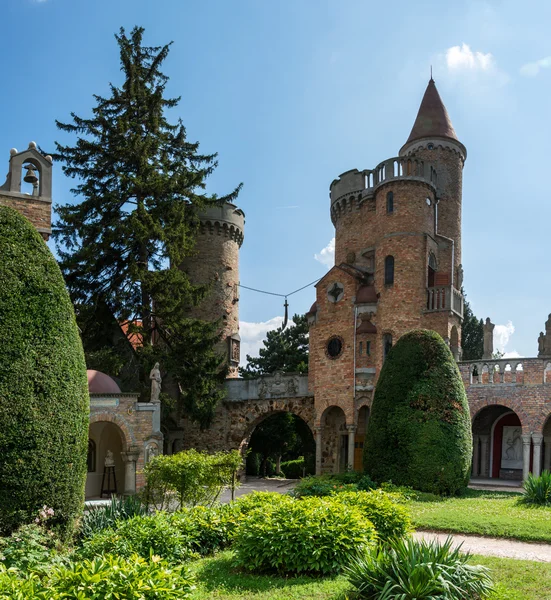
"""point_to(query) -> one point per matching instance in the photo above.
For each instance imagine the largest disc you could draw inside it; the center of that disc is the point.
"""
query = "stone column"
(537, 438)
(351, 444)
(317, 431)
(547, 453)
(130, 458)
(476, 456)
(485, 456)
(526, 439)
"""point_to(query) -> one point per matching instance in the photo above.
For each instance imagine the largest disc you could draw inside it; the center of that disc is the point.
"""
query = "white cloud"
(462, 57)
(253, 334)
(502, 336)
(533, 68)
(327, 255)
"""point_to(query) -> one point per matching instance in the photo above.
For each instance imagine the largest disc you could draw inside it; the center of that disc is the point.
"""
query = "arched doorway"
(104, 436)
(334, 441)
(497, 444)
(546, 446)
(277, 438)
(363, 420)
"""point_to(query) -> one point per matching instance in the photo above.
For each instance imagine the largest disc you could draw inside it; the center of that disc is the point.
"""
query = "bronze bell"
(30, 176)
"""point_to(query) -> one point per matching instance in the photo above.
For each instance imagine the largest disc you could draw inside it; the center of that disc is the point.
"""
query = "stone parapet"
(224, 219)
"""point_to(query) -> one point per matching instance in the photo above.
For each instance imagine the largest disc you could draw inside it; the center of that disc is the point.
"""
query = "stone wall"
(37, 210)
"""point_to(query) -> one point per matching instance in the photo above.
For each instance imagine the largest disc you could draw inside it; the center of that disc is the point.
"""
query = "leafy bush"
(28, 547)
(293, 469)
(260, 500)
(409, 569)
(366, 483)
(16, 585)
(419, 431)
(391, 520)
(311, 535)
(321, 485)
(43, 387)
(190, 477)
(141, 535)
(98, 518)
(537, 490)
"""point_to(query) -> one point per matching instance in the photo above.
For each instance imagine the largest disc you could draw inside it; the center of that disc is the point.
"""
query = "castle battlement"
(226, 220)
(354, 186)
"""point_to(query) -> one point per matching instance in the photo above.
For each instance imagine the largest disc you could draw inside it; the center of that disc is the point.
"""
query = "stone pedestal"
(526, 440)
(130, 458)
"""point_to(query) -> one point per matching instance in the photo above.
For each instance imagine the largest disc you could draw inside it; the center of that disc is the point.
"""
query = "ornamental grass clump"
(98, 518)
(315, 536)
(537, 490)
(418, 570)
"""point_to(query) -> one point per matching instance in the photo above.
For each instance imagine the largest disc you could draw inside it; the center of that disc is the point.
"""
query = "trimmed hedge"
(43, 388)
(419, 431)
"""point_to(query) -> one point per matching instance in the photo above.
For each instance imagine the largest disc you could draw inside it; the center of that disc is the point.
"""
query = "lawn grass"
(514, 580)
(496, 514)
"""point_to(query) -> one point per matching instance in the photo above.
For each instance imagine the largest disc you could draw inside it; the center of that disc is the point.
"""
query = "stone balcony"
(445, 298)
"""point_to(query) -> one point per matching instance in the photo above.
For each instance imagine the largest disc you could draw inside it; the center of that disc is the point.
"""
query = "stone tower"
(216, 263)
(397, 268)
(37, 205)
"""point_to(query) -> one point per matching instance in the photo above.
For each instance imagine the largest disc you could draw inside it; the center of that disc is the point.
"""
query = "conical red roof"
(432, 119)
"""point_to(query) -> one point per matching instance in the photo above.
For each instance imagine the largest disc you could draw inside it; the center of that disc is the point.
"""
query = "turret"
(216, 263)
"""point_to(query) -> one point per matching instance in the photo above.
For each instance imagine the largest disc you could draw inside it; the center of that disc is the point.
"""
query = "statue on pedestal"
(156, 381)
(109, 459)
(488, 339)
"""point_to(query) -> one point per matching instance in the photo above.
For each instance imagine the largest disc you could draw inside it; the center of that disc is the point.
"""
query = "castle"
(397, 267)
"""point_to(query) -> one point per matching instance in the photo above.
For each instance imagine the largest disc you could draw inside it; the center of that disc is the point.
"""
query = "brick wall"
(37, 210)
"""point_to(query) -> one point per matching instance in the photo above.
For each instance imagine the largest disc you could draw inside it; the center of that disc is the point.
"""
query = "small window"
(387, 344)
(361, 348)
(390, 203)
(368, 348)
(389, 270)
(334, 347)
(431, 270)
(430, 146)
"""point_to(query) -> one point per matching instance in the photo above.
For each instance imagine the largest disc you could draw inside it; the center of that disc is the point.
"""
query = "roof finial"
(431, 73)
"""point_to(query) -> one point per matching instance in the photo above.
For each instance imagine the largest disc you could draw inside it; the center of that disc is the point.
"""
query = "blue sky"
(292, 93)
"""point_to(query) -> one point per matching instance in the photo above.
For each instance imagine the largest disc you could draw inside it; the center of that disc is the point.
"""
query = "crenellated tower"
(397, 268)
(216, 263)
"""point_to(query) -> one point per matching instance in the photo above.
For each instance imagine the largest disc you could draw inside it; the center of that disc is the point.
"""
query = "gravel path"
(489, 546)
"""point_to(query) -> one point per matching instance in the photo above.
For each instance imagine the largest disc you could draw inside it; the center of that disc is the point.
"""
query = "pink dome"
(100, 383)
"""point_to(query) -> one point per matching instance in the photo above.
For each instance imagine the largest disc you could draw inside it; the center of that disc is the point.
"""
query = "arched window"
(91, 461)
(431, 270)
(390, 203)
(387, 344)
(389, 270)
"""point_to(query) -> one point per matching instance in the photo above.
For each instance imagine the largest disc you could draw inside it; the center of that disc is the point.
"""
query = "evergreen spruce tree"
(472, 333)
(285, 351)
(141, 183)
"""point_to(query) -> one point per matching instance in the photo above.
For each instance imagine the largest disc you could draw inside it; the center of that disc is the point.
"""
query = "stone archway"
(334, 454)
(498, 443)
(105, 436)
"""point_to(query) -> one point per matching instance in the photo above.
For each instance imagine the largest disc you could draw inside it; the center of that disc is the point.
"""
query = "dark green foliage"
(293, 469)
(312, 535)
(537, 490)
(419, 432)
(43, 388)
(412, 570)
(472, 334)
(101, 517)
(285, 351)
(141, 184)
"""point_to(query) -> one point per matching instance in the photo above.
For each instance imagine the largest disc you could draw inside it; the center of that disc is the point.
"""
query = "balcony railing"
(444, 297)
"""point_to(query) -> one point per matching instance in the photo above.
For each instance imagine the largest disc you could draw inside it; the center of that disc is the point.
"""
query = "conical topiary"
(44, 402)
(419, 431)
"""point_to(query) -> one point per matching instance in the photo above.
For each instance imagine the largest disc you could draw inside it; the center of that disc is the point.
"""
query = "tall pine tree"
(141, 183)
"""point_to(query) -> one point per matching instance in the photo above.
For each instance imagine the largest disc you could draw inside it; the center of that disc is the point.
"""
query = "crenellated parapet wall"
(224, 220)
(353, 187)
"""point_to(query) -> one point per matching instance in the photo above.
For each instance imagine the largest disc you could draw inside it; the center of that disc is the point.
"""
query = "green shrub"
(391, 520)
(293, 469)
(16, 585)
(28, 547)
(190, 477)
(419, 431)
(323, 485)
(311, 535)
(366, 483)
(141, 535)
(98, 518)
(537, 490)
(115, 577)
(208, 529)
(44, 400)
(409, 569)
